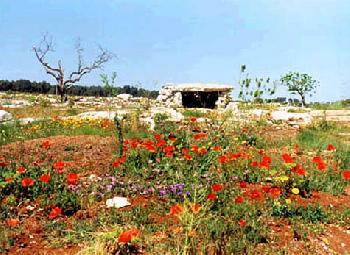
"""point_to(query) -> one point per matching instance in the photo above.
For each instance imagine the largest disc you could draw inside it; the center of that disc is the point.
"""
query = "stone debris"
(124, 97)
(117, 202)
(5, 116)
(304, 118)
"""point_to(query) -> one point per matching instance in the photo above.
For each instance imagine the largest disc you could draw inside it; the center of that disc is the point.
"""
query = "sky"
(179, 41)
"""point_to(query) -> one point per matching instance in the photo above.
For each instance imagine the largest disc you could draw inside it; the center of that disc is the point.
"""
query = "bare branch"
(45, 46)
(101, 59)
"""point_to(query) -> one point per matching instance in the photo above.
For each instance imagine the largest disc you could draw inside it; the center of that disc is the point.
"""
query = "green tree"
(252, 89)
(300, 83)
(108, 85)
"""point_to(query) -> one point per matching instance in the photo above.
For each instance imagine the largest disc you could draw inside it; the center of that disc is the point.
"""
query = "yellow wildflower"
(295, 191)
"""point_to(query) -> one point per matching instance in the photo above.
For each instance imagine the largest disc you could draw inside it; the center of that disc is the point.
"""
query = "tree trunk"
(62, 92)
(303, 103)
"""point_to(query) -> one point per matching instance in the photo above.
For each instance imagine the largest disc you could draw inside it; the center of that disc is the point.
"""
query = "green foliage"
(12, 87)
(253, 89)
(108, 84)
(310, 213)
(300, 83)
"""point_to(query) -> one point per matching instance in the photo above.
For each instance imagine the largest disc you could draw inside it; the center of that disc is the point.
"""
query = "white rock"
(5, 116)
(171, 113)
(124, 97)
(117, 202)
(305, 118)
(25, 121)
(97, 115)
(232, 106)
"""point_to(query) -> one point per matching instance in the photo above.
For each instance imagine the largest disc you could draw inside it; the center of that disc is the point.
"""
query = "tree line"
(44, 87)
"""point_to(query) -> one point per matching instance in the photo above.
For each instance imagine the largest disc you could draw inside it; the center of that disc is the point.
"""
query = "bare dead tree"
(63, 83)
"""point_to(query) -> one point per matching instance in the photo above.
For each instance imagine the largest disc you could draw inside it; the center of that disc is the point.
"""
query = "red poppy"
(160, 143)
(239, 200)
(233, 156)
(322, 166)
(243, 184)
(223, 159)
(176, 209)
(172, 138)
(261, 152)
(125, 149)
(195, 149)
(59, 165)
(149, 145)
(46, 144)
(265, 162)
(216, 148)
(265, 189)
(184, 151)
(298, 170)
(55, 212)
(105, 123)
(255, 195)
(72, 179)
(195, 208)
(203, 151)
(242, 223)
(287, 159)
(193, 119)
(127, 236)
(117, 162)
(12, 222)
(45, 178)
(157, 136)
(211, 196)
(254, 163)
(275, 192)
(9, 179)
(317, 159)
(216, 187)
(169, 150)
(196, 137)
(188, 157)
(21, 170)
(346, 175)
(330, 147)
(2, 161)
(27, 182)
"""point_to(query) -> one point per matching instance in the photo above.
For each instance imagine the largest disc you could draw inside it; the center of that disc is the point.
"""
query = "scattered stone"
(124, 97)
(117, 202)
(232, 106)
(304, 118)
(5, 116)
(25, 121)
(97, 115)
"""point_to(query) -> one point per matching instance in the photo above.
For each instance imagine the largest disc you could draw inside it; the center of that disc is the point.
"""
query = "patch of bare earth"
(86, 153)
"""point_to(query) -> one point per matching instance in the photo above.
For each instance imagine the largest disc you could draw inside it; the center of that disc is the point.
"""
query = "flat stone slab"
(203, 87)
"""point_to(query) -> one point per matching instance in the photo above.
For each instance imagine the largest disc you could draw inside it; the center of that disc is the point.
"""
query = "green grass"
(338, 105)
(13, 132)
